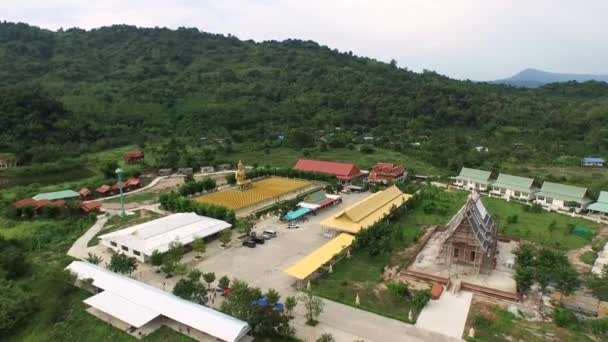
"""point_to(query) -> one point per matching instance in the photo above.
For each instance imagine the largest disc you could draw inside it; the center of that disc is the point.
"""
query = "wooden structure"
(470, 237)
(134, 157)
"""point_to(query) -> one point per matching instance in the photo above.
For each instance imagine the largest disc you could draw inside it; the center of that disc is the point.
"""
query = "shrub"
(565, 318)
(398, 289)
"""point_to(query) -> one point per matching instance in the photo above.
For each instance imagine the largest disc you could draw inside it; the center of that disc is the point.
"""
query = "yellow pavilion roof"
(368, 211)
(320, 256)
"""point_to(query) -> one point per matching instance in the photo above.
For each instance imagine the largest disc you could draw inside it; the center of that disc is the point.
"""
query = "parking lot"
(264, 265)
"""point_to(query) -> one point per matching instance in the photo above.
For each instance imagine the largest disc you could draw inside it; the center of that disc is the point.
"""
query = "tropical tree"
(156, 258)
(93, 258)
(226, 236)
(224, 282)
(314, 307)
(326, 338)
(122, 263)
(290, 304)
(272, 296)
(209, 278)
(198, 245)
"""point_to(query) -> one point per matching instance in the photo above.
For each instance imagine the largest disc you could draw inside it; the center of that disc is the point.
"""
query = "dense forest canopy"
(71, 91)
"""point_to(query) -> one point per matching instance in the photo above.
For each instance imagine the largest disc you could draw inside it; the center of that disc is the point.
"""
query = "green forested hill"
(72, 91)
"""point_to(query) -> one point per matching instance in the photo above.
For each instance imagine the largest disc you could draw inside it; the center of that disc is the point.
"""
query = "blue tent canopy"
(292, 215)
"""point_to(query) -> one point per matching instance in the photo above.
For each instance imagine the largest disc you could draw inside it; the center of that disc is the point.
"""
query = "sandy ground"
(500, 278)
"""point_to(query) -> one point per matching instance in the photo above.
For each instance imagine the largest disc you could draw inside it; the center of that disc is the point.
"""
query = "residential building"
(90, 207)
(470, 237)
(141, 240)
(345, 172)
(85, 193)
(104, 190)
(57, 195)
(514, 187)
(386, 172)
(134, 157)
(140, 309)
(601, 206)
(472, 179)
(599, 162)
(365, 213)
(554, 196)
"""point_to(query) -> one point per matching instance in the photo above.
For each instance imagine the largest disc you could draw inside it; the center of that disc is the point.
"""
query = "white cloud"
(476, 39)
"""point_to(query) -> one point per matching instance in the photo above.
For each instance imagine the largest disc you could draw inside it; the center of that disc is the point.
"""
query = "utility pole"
(119, 173)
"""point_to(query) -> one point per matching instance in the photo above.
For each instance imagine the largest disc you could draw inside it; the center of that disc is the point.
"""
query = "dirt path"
(575, 254)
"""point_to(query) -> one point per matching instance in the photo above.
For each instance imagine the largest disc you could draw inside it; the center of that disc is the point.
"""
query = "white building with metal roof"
(141, 240)
(141, 308)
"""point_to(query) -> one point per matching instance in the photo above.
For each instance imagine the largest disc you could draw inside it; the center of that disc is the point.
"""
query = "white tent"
(137, 303)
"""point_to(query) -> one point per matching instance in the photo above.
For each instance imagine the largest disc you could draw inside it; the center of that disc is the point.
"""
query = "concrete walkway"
(347, 324)
(79, 248)
(447, 315)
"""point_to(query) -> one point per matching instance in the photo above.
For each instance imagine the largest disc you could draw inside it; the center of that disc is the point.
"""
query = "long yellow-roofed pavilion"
(366, 212)
(319, 257)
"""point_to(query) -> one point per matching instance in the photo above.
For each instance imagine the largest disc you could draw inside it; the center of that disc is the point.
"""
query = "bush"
(565, 318)
(599, 326)
(398, 289)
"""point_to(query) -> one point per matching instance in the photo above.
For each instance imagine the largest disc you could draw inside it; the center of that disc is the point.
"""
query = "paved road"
(79, 248)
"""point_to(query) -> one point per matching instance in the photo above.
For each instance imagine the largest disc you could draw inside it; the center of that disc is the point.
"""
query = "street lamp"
(119, 173)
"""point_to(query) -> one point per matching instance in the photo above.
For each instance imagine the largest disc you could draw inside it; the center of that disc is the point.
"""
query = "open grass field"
(263, 190)
(546, 228)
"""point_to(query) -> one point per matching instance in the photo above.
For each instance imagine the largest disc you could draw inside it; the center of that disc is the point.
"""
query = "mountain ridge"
(533, 78)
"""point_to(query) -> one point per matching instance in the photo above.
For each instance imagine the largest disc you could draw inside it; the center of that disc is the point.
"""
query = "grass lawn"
(588, 257)
(363, 273)
(495, 324)
(535, 227)
(116, 223)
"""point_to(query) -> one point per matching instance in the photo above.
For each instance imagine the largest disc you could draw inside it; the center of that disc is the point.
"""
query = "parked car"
(272, 233)
(249, 243)
(292, 226)
(266, 236)
(259, 239)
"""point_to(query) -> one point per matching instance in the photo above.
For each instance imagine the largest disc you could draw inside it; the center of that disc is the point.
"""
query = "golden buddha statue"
(241, 176)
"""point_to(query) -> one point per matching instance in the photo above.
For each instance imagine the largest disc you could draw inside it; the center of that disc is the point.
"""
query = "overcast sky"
(465, 39)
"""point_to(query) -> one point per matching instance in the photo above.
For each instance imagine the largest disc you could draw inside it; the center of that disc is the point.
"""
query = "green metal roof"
(564, 192)
(474, 175)
(515, 183)
(602, 203)
(51, 196)
(315, 197)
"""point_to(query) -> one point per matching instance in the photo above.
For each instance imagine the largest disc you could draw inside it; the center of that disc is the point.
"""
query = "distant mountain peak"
(532, 78)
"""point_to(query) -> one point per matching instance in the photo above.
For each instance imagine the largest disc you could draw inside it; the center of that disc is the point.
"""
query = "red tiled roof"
(133, 182)
(90, 206)
(25, 202)
(115, 187)
(103, 189)
(345, 171)
(134, 154)
(84, 192)
(38, 204)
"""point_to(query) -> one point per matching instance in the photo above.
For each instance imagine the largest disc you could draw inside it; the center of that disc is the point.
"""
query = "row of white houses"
(551, 196)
